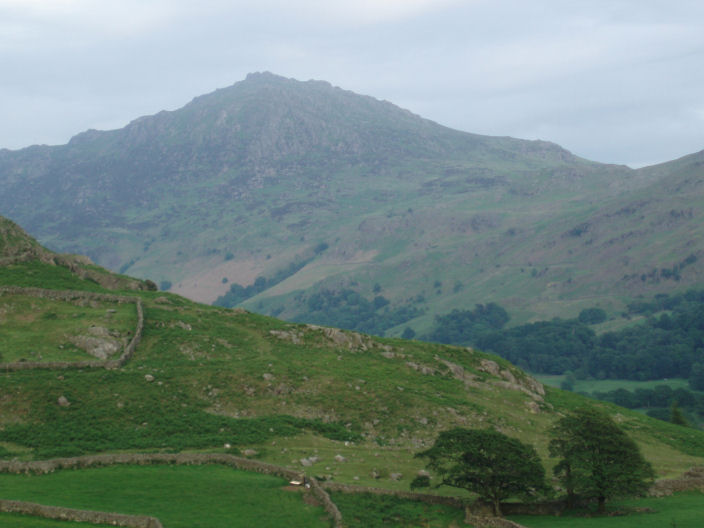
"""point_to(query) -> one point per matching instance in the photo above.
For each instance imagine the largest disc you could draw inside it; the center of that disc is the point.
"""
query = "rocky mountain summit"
(313, 189)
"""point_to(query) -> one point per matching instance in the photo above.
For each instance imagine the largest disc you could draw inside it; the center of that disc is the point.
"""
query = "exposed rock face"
(346, 339)
(294, 337)
(99, 342)
(460, 373)
(526, 384)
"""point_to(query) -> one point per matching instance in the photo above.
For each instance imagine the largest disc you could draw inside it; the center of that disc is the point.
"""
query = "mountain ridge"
(245, 181)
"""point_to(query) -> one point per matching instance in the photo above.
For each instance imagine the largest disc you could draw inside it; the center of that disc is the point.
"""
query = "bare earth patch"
(207, 285)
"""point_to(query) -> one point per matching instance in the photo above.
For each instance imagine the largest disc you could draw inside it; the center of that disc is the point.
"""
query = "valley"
(285, 281)
(336, 406)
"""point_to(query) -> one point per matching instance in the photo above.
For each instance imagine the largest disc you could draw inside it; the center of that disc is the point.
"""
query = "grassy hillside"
(204, 377)
(336, 405)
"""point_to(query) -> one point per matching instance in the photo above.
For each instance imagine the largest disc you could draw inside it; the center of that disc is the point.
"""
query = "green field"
(36, 329)
(180, 496)
(683, 510)
(365, 510)
(607, 385)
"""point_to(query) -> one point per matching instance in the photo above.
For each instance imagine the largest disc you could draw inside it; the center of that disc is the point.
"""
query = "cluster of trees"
(661, 401)
(597, 461)
(348, 309)
(670, 344)
(239, 293)
(659, 396)
(466, 326)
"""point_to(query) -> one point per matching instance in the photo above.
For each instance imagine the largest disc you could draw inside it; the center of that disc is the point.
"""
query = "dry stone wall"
(68, 296)
(70, 514)
(693, 479)
(421, 497)
(328, 505)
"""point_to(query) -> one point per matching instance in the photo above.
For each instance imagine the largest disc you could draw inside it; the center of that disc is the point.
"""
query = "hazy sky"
(613, 81)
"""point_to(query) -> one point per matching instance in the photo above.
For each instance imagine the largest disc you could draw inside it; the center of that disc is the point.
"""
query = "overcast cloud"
(613, 81)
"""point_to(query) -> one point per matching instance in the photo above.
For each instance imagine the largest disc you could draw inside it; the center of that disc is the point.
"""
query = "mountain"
(324, 195)
(315, 399)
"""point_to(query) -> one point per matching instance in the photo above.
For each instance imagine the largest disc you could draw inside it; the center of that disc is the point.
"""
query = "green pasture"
(682, 510)
(180, 496)
(36, 329)
(606, 385)
(364, 510)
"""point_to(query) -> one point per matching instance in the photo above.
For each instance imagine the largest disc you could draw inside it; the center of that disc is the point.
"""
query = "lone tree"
(598, 460)
(485, 462)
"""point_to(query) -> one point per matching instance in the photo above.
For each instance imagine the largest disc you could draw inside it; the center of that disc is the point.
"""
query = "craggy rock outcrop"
(345, 339)
(525, 383)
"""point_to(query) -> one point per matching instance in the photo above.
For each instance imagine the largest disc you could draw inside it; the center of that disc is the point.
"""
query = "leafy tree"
(676, 416)
(485, 462)
(598, 460)
(696, 377)
(569, 381)
(408, 333)
(592, 316)
(467, 326)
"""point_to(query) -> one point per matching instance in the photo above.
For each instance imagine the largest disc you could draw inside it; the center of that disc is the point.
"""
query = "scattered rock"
(63, 401)
(533, 407)
(508, 376)
(350, 340)
(458, 372)
(250, 452)
(396, 476)
(294, 337)
(267, 376)
(491, 367)
(100, 344)
(307, 462)
(423, 369)
(340, 458)
(148, 377)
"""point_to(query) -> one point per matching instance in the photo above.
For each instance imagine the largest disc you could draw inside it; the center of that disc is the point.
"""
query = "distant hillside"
(343, 204)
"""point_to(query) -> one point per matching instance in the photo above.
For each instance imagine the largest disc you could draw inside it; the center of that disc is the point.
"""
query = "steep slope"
(19, 252)
(312, 398)
(317, 189)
